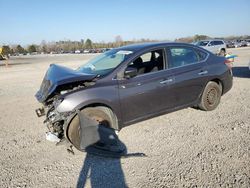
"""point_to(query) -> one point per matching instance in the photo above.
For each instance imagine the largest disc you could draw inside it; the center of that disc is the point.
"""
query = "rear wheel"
(211, 96)
(102, 114)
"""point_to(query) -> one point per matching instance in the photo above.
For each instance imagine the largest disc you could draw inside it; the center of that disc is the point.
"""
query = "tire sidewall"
(204, 104)
(73, 133)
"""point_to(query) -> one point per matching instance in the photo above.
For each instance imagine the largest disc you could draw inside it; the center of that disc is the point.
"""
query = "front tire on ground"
(101, 114)
(211, 96)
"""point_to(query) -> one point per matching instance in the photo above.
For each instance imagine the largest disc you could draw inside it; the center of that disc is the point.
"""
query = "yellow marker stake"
(7, 61)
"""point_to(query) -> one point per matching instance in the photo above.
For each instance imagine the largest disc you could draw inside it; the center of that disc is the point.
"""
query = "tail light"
(228, 63)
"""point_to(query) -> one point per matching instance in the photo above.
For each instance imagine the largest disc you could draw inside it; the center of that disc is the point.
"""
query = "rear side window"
(218, 42)
(181, 56)
(212, 43)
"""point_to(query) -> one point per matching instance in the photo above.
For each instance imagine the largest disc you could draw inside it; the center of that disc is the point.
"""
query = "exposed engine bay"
(87, 133)
(51, 94)
(55, 121)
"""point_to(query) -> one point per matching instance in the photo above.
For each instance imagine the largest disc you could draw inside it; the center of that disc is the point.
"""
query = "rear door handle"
(203, 72)
(166, 81)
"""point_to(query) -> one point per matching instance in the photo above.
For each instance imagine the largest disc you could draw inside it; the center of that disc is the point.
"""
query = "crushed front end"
(57, 83)
(54, 121)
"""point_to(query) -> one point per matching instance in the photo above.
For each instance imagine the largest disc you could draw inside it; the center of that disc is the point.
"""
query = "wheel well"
(96, 104)
(216, 80)
(219, 82)
(90, 105)
(223, 49)
(104, 105)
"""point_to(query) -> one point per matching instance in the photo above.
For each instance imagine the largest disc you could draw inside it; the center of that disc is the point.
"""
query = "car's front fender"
(106, 96)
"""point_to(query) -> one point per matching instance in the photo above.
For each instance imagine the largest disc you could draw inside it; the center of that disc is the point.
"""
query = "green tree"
(20, 49)
(82, 43)
(43, 47)
(6, 50)
(32, 48)
(88, 44)
(200, 37)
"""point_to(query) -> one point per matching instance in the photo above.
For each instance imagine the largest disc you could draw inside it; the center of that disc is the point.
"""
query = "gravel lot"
(187, 148)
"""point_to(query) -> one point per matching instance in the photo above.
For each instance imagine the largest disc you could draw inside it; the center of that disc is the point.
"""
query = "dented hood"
(58, 75)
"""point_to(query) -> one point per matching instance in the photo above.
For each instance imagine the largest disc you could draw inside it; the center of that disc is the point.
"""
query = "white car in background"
(86, 51)
(248, 42)
(214, 46)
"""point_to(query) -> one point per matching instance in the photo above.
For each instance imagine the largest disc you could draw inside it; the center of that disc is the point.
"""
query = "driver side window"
(149, 62)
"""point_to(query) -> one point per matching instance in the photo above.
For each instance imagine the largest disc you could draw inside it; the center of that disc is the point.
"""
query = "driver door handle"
(203, 72)
(166, 81)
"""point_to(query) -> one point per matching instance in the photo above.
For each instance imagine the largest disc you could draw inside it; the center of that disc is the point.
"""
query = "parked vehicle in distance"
(86, 51)
(230, 44)
(77, 51)
(239, 44)
(129, 84)
(243, 44)
(214, 46)
(248, 42)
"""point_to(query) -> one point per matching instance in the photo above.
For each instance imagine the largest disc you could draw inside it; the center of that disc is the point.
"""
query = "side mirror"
(130, 72)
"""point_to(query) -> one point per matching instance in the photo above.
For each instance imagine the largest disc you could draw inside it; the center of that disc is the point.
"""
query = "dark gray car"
(131, 84)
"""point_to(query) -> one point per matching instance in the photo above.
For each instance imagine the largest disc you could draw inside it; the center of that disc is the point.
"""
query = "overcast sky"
(31, 21)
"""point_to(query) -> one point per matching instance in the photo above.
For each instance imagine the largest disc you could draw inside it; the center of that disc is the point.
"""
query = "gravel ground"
(187, 148)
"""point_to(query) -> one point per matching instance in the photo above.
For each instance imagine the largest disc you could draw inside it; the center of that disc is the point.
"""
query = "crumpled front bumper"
(54, 121)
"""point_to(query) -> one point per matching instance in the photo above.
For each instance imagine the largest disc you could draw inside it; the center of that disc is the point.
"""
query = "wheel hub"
(212, 96)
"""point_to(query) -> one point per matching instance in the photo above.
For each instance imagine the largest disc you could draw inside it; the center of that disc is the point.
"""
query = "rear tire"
(101, 114)
(211, 96)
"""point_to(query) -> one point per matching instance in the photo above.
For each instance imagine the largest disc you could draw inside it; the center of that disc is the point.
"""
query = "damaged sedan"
(127, 85)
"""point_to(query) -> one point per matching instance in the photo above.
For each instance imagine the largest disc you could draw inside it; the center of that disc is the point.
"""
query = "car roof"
(141, 46)
(212, 40)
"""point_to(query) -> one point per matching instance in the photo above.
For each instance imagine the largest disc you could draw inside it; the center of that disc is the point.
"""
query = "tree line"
(68, 46)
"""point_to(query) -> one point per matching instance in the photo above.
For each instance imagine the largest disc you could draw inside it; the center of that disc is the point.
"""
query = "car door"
(212, 47)
(146, 94)
(219, 45)
(189, 68)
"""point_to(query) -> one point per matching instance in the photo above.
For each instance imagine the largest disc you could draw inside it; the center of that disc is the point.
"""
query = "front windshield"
(105, 63)
(202, 43)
